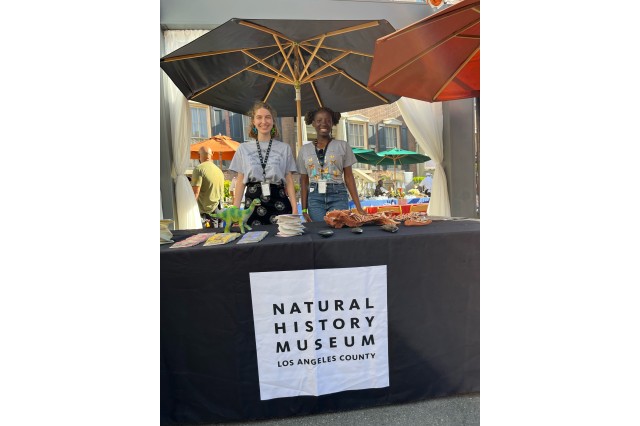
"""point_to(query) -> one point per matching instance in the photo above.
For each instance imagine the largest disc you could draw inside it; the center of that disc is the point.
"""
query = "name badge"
(266, 191)
(322, 187)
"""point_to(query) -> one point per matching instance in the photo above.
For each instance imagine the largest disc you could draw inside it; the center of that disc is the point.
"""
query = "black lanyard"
(324, 153)
(266, 158)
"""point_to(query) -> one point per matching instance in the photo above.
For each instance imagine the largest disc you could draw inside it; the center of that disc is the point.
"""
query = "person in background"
(207, 182)
(325, 169)
(380, 190)
(426, 183)
(265, 167)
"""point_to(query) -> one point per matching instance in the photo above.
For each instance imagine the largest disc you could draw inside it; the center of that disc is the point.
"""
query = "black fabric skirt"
(275, 204)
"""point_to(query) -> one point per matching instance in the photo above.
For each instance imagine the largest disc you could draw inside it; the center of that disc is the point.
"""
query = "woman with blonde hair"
(265, 166)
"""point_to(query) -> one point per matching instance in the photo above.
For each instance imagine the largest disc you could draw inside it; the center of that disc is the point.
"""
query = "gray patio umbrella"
(293, 65)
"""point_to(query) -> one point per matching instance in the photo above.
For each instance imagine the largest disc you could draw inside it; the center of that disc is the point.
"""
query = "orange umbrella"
(435, 59)
(223, 148)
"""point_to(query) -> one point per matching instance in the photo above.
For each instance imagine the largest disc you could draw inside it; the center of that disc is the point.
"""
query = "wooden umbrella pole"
(394, 174)
(299, 111)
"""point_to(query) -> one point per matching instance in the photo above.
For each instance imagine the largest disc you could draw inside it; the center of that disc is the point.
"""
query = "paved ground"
(461, 410)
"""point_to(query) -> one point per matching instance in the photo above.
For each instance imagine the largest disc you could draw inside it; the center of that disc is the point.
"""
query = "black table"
(208, 350)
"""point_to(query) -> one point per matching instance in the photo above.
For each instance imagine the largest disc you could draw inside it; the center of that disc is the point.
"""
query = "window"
(237, 126)
(390, 134)
(355, 130)
(218, 126)
(391, 137)
(200, 129)
(355, 134)
(372, 136)
(246, 122)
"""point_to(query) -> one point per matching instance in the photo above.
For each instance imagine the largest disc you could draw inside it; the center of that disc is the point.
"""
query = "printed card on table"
(192, 240)
(253, 237)
(221, 238)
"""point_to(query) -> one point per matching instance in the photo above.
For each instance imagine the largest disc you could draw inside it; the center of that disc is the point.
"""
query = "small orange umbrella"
(223, 148)
(435, 59)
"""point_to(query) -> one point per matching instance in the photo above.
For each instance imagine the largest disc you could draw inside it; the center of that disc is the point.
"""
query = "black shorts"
(275, 204)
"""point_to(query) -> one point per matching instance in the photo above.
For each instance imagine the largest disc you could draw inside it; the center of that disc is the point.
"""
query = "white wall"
(208, 14)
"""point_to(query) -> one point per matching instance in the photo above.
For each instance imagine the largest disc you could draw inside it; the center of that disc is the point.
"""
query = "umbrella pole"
(395, 182)
(299, 110)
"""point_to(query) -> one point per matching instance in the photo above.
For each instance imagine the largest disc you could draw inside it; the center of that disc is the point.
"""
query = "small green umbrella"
(396, 156)
(365, 156)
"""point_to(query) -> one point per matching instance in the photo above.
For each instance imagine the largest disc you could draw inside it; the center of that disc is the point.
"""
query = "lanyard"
(266, 158)
(324, 153)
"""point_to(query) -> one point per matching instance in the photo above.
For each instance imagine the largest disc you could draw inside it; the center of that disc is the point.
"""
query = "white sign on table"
(320, 331)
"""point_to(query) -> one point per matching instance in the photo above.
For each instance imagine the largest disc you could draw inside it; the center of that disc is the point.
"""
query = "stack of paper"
(165, 232)
(289, 225)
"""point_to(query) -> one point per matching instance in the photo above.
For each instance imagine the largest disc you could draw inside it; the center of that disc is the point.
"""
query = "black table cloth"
(208, 349)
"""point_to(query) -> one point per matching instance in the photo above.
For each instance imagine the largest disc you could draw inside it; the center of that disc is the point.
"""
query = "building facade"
(378, 128)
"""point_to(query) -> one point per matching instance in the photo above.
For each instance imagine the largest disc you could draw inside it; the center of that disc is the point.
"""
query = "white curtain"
(424, 120)
(188, 216)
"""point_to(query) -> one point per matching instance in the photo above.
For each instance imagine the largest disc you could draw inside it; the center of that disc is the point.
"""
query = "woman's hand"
(361, 211)
(307, 218)
(239, 190)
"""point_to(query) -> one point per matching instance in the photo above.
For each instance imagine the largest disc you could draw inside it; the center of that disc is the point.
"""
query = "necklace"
(315, 143)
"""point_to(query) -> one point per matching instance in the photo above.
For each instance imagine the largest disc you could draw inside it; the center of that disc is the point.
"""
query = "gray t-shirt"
(339, 155)
(279, 163)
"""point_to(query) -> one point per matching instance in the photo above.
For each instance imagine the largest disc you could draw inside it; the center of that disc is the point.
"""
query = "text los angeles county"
(355, 323)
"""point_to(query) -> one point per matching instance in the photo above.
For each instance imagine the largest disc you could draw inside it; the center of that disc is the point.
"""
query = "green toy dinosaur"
(233, 214)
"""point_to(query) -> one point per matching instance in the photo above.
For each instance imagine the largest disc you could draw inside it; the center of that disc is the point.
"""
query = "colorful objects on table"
(233, 214)
(417, 221)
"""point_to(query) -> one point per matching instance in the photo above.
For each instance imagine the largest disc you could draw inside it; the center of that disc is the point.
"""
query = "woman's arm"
(304, 195)
(237, 196)
(350, 182)
(291, 192)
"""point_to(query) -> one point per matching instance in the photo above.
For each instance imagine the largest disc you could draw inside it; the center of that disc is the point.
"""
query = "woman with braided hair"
(325, 169)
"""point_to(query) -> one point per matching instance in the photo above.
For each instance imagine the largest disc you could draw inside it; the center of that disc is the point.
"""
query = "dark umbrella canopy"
(243, 61)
